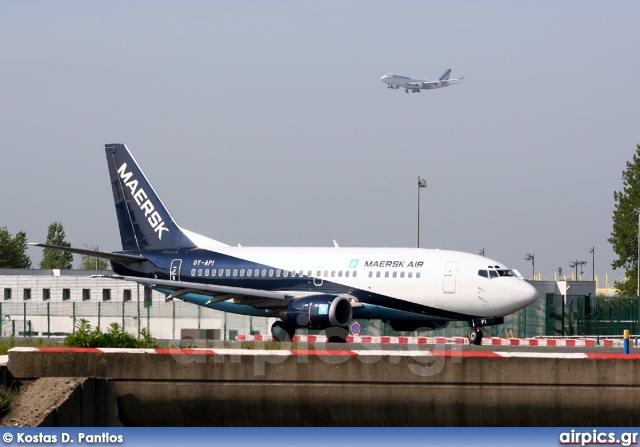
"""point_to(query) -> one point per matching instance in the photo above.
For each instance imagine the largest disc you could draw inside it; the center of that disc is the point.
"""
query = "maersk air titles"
(393, 264)
(395, 81)
(322, 288)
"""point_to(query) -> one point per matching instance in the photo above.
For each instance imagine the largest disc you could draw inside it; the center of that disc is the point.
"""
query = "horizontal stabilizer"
(218, 292)
(121, 257)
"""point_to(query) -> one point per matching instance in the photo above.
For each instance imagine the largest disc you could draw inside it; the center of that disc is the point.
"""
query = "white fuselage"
(447, 281)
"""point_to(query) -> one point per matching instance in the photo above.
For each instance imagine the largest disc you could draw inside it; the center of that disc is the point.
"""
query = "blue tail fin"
(144, 221)
(445, 76)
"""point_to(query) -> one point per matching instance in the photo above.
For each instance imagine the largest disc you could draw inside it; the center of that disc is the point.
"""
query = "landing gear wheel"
(336, 334)
(281, 331)
(336, 339)
(475, 337)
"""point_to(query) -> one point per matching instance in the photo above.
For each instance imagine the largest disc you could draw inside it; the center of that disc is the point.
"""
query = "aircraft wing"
(425, 84)
(240, 295)
(422, 83)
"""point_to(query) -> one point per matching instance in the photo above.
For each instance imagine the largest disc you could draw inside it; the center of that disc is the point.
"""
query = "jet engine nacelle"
(318, 312)
(408, 326)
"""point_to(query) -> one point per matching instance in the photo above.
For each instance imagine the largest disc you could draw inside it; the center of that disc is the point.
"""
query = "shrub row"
(115, 337)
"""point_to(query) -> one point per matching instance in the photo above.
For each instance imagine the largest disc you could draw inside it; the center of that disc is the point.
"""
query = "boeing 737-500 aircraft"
(316, 288)
(415, 85)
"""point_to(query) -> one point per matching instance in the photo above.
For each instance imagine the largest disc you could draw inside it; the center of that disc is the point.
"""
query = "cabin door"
(449, 280)
(317, 276)
(174, 272)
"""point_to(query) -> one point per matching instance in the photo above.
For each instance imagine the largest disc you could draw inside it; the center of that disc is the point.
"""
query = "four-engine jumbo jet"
(316, 288)
(396, 81)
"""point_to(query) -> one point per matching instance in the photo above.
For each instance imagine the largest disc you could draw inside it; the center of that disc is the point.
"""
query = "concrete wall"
(63, 402)
(276, 388)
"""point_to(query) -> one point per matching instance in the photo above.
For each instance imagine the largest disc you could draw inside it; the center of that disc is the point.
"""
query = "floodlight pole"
(531, 257)
(422, 183)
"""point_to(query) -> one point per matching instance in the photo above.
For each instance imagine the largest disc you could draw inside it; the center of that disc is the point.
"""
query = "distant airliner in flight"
(396, 81)
(321, 288)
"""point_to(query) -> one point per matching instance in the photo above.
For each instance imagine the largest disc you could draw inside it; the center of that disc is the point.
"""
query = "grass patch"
(6, 398)
(5, 345)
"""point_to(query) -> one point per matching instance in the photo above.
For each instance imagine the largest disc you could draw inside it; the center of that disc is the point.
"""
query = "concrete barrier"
(486, 341)
(197, 387)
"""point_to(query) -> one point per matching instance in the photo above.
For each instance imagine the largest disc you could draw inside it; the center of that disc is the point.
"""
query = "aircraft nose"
(384, 77)
(523, 293)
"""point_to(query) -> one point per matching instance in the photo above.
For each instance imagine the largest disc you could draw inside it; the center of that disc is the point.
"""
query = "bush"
(116, 337)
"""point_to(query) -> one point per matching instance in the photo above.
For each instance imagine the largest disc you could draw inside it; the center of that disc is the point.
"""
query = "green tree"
(56, 259)
(624, 237)
(91, 262)
(13, 250)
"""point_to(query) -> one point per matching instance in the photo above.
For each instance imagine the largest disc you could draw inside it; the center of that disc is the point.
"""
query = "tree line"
(13, 252)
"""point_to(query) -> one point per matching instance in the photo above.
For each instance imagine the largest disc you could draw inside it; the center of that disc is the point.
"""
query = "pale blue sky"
(266, 123)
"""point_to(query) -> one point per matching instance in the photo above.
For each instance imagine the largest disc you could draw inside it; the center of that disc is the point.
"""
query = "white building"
(47, 303)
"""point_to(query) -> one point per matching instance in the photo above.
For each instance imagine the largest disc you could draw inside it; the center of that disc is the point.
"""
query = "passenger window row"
(394, 274)
(270, 273)
(277, 273)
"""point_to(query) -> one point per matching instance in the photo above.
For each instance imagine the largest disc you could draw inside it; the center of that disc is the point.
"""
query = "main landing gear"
(284, 332)
(475, 336)
(281, 331)
(336, 334)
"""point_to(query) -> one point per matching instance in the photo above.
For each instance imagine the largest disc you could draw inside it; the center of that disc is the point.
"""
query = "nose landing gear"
(475, 336)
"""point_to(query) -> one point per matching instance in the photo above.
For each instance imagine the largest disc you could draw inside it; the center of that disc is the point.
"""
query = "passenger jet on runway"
(396, 81)
(322, 288)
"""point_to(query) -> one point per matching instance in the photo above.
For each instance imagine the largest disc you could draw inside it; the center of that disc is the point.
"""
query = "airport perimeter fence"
(549, 316)
(172, 320)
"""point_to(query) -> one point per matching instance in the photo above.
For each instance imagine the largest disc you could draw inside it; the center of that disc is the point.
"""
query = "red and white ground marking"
(378, 354)
(486, 341)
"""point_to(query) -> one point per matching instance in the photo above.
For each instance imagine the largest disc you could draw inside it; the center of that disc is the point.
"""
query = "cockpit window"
(495, 272)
